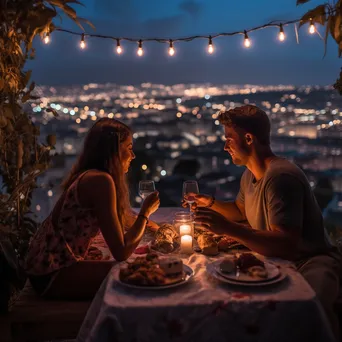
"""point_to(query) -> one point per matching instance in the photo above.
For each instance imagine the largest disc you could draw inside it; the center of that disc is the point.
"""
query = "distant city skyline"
(267, 62)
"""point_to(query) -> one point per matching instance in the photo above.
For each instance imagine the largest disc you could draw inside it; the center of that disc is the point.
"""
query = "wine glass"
(190, 187)
(146, 188)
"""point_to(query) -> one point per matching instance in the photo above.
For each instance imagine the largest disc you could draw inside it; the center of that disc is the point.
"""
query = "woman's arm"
(133, 216)
(98, 190)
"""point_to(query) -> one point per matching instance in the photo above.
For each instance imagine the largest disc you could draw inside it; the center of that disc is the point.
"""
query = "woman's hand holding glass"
(150, 204)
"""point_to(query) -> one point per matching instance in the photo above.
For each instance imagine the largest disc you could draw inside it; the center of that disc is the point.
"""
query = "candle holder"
(184, 226)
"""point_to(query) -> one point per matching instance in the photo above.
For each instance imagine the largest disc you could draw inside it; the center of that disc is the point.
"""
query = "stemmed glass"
(146, 188)
(190, 187)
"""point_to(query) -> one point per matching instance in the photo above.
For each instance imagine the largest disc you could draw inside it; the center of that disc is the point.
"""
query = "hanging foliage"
(328, 15)
(22, 157)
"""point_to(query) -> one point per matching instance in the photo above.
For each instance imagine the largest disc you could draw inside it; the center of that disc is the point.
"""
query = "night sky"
(268, 61)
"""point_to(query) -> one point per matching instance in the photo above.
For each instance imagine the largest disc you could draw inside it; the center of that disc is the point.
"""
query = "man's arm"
(275, 243)
(235, 210)
(285, 196)
(232, 211)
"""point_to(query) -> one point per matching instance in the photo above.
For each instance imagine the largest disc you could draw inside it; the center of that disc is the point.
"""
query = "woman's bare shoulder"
(98, 178)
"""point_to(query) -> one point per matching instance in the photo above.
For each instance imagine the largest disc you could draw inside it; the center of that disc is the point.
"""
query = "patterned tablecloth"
(206, 310)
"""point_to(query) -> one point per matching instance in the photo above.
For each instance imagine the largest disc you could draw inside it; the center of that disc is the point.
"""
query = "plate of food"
(152, 272)
(246, 269)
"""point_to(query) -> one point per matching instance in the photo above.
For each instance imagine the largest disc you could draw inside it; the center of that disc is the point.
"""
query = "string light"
(281, 33)
(82, 43)
(171, 48)
(247, 41)
(140, 51)
(47, 37)
(118, 47)
(210, 46)
(312, 28)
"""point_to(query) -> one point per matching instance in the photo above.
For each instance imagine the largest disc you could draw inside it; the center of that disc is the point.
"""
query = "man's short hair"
(249, 118)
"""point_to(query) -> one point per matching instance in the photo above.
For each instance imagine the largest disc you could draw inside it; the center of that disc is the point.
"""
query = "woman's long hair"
(101, 151)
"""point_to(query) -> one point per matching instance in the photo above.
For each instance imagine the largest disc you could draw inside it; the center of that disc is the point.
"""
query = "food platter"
(236, 276)
(152, 272)
(213, 269)
(188, 274)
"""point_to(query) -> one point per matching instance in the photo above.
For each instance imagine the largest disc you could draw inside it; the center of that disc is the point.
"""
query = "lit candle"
(186, 244)
(185, 229)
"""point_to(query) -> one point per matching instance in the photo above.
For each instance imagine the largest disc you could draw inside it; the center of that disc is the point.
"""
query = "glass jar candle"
(183, 223)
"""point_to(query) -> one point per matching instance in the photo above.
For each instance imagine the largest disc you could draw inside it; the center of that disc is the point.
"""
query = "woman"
(95, 200)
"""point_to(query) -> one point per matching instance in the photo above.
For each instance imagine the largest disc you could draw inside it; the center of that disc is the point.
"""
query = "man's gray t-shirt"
(283, 197)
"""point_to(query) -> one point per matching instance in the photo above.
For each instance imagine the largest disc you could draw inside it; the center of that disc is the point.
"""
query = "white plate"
(272, 273)
(212, 270)
(188, 271)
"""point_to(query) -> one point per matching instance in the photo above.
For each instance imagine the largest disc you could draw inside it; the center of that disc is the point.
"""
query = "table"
(206, 310)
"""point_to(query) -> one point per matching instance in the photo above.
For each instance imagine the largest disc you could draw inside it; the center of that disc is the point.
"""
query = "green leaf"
(317, 15)
(8, 112)
(41, 167)
(32, 53)
(25, 98)
(300, 2)
(335, 28)
(27, 77)
(87, 22)
(79, 24)
(75, 2)
(32, 85)
(70, 11)
(51, 139)
(340, 49)
(3, 122)
(326, 35)
(53, 111)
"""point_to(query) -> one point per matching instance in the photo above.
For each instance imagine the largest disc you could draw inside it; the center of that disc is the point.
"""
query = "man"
(275, 198)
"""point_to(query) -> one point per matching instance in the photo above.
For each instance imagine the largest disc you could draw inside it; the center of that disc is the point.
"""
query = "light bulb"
(312, 28)
(82, 43)
(171, 48)
(118, 47)
(281, 33)
(47, 38)
(140, 51)
(247, 42)
(210, 46)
